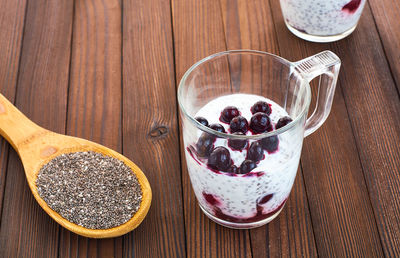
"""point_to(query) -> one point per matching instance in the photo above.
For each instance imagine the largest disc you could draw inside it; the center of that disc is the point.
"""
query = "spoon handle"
(15, 127)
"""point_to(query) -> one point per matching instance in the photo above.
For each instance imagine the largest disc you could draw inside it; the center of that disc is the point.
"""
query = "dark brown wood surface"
(150, 125)
(94, 99)
(12, 18)
(386, 13)
(108, 71)
(26, 230)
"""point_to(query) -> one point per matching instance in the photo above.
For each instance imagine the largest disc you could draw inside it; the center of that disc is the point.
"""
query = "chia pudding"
(251, 187)
(322, 17)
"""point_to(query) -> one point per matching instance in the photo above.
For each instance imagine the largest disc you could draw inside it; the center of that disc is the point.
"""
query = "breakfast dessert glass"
(322, 20)
(239, 196)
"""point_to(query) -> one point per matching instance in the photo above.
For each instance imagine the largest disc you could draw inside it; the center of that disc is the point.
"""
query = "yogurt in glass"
(322, 20)
(250, 199)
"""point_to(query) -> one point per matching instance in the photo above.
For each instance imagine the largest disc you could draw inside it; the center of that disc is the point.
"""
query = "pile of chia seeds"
(90, 189)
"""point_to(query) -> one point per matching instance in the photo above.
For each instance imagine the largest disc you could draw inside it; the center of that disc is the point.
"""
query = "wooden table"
(107, 70)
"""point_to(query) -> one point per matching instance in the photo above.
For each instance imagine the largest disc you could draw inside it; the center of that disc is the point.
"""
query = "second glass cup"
(322, 20)
(244, 117)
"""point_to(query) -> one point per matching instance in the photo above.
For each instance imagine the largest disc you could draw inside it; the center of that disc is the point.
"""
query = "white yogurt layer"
(238, 195)
(321, 17)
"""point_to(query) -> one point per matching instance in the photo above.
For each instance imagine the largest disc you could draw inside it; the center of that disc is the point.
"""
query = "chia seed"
(90, 189)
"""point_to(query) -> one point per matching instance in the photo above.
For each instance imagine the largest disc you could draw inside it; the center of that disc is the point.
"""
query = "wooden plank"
(26, 230)
(341, 158)
(386, 14)
(150, 126)
(199, 32)
(377, 135)
(94, 105)
(249, 25)
(12, 16)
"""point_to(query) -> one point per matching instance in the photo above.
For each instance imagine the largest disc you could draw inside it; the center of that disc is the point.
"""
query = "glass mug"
(242, 180)
(322, 20)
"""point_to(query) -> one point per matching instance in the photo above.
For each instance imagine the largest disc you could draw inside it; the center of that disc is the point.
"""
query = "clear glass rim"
(243, 137)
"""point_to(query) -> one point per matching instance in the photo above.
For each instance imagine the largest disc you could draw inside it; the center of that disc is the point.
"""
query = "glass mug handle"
(325, 64)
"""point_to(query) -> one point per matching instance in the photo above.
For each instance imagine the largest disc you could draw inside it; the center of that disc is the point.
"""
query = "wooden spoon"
(36, 146)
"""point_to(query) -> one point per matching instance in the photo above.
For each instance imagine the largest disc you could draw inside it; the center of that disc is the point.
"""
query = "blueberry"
(220, 159)
(236, 144)
(255, 152)
(260, 123)
(205, 145)
(261, 106)
(270, 144)
(283, 121)
(202, 120)
(218, 127)
(228, 114)
(247, 166)
(239, 124)
(233, 170)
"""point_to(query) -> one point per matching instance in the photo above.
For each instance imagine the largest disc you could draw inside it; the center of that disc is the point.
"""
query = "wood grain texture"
(249, 25)
(76, 246)
(199, 32)
(350, 166)
(12, 16)
(150, 126)
(42, 89)
(94, 106)
(377, 135)
(333, 166)
(386, 14)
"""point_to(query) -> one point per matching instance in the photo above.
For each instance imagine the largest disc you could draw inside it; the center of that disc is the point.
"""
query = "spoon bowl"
(36, 146)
